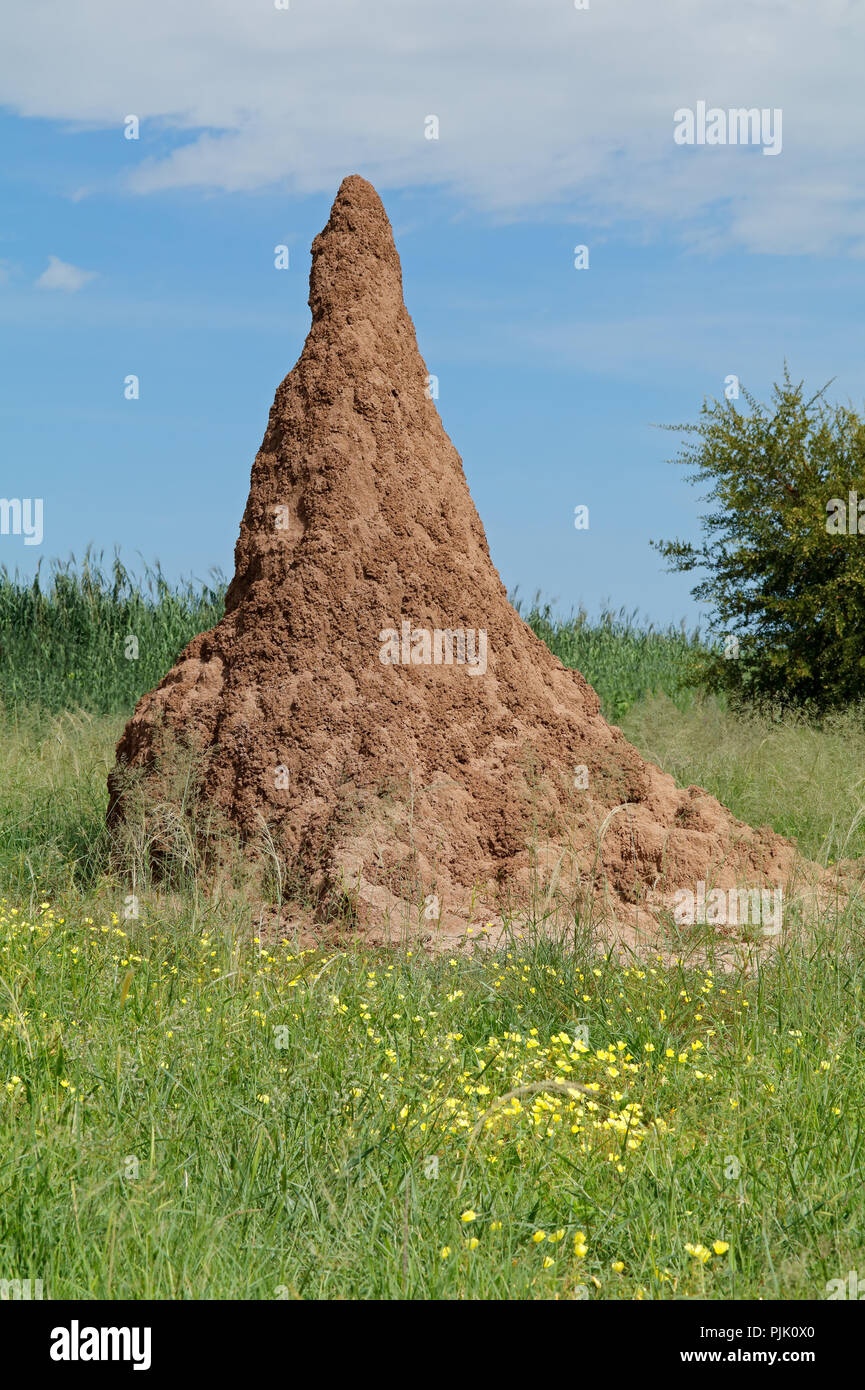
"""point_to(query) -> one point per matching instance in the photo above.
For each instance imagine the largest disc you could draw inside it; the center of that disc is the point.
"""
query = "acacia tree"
(783, 547)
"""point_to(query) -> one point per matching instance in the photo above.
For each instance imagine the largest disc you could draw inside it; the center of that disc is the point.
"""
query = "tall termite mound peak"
(371, 703)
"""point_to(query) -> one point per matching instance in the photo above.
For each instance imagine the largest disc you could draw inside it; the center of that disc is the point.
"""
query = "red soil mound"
(324, 706)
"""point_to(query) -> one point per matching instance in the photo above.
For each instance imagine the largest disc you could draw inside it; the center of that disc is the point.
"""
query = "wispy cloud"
(59, 275)
(541, 106)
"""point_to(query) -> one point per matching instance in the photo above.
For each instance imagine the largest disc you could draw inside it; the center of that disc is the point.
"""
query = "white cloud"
(58, 275)
(541, 106)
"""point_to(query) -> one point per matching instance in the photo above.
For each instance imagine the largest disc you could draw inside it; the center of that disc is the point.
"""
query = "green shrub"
(785, 584)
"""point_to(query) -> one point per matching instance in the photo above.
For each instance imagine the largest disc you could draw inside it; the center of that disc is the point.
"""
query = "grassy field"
(187, 1110)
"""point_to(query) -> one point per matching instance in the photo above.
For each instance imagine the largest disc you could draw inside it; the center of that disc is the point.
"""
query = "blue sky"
(703, 261)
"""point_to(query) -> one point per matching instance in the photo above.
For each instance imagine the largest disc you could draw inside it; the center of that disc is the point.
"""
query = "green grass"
(187, 1111)
(95, 640)
(185, 1114)
(624, 660)
(803, 779)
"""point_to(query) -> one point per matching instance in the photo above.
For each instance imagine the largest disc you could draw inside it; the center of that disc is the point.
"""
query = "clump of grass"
(53, 771)
(802, 778)
(93, 639)
(623, 659)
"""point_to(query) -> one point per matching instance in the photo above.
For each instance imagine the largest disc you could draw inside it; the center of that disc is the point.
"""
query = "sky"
(556, 128)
